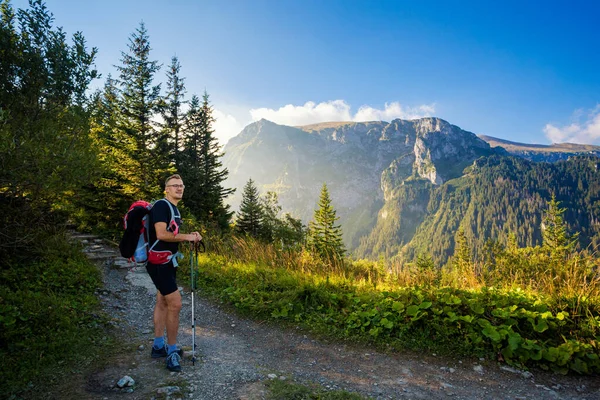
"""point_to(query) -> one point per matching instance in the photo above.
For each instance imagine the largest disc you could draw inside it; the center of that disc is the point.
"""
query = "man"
(165, 221)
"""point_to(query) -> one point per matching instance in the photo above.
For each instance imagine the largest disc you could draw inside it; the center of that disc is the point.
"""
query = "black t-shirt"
(161, 212)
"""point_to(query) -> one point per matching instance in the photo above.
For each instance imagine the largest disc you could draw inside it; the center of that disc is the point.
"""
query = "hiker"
(164, 239)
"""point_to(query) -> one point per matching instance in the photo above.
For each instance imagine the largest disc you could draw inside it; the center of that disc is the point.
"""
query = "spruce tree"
(324, 236)
(250, 216)
(139, 103)
(271, 225)
(556, 239)
(202, 166)
(102, 201)
(172, 113)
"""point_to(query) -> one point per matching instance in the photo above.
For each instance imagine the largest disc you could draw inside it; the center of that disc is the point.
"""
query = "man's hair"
(174, 176)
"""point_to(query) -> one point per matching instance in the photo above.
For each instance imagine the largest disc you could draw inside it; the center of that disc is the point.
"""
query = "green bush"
(48, 314)
(511, 325)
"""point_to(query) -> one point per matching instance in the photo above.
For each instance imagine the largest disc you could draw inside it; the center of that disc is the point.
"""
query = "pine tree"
(324, 237)
(202, 166)
(139, 103)
(462, 260)
(271, 224)
(250, 217)
(555, 237)
(101, 202)
(171, 111)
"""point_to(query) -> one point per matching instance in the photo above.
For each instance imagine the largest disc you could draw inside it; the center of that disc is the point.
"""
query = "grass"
(51, 323)
(513, 312)
(288, 390)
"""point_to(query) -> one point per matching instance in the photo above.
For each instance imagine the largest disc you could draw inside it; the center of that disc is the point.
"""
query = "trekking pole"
(193, 256)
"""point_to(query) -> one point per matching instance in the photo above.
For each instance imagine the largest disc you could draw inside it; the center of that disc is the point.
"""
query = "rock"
(526, 374)
(125, 381)
(168, 390)
(146, 331)
(478, 369)
(141, 347)
(271, 376)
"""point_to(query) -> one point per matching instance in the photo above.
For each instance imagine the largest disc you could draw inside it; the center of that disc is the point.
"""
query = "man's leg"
(160, 315)
(173, 302)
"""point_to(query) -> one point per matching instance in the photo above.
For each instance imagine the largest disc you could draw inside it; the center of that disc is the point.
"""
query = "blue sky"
(525, 71)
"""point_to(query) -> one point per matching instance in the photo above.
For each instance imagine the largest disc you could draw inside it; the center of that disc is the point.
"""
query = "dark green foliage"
(284, 232)
(45, 146)
(555, 237)
(172, 113)
(49, 314)
(202, 169)
(101, 203)
(501, 195)
(324, 236)
(139, 102)
(250, 218)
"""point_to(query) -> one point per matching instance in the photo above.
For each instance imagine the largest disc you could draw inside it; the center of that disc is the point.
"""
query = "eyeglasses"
(177, 186)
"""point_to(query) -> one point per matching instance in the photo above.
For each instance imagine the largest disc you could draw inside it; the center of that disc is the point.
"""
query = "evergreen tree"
(556, 239)
(462, 259)
(46, 151)
(171, 111)
(202, 166)
(324, 237)
(139, 103)
(250, 217)
(271, 224)
(101, 203)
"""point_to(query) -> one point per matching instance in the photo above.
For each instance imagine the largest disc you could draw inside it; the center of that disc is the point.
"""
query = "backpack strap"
(172, 219)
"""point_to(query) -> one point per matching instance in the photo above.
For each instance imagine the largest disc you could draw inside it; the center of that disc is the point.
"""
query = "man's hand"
(194, 237)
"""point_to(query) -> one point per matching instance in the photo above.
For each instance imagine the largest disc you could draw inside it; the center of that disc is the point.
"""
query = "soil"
(236, 356)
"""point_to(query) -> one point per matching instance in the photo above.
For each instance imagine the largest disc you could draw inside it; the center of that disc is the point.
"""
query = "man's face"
(174, 189)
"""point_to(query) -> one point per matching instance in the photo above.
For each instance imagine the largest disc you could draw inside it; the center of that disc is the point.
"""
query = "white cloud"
(228, 125)
(584, 129)
(392, 111)
(309, 113)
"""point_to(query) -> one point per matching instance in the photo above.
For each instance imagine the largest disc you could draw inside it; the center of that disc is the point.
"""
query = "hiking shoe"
(158, 353)
(173, 362)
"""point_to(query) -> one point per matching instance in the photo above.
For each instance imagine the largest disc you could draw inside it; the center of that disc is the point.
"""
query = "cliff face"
(363, 164)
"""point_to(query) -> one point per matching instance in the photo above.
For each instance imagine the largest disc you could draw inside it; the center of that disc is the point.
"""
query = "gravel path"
(238, 355)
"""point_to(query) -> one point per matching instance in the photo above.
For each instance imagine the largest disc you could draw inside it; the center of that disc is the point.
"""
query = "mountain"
(405, 187)
(540, 152)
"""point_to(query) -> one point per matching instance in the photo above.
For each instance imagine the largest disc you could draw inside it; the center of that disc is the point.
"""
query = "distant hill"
(541, 152)
(405, 187)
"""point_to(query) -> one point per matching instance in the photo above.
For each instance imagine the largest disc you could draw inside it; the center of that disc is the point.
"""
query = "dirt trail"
(238, 355)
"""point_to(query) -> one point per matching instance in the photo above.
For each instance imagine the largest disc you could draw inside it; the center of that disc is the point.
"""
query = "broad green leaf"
(412, 310)
(541, 326)
(492, 333)
(398, 306)
(425, 305)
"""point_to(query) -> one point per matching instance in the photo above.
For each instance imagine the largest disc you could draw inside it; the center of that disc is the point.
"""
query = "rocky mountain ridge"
(543, 153)
(400, 186)
(362, 163)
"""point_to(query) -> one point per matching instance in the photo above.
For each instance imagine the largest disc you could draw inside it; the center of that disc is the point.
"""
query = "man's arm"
(163, 234)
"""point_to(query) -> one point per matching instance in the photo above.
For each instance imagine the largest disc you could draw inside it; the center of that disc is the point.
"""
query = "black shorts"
(163, 277)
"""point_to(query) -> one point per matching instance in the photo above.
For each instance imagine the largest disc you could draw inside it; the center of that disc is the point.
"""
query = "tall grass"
(574, 279)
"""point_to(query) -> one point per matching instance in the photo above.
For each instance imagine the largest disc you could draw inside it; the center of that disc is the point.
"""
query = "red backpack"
(134, 243)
